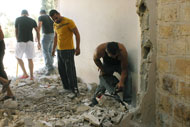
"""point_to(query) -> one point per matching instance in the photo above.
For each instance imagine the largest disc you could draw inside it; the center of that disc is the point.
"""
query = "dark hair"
(53, 12)
(42, 11)
(112, 48)
(24, 12)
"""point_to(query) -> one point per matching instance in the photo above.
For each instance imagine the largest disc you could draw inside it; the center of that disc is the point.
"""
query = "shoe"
(47, 73)
(31, 78)
(24, 77)
(5, 86)
(128, 101)
(94, 102)
(8, 97)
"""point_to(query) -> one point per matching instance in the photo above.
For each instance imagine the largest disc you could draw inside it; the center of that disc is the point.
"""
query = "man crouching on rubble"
(114, 56)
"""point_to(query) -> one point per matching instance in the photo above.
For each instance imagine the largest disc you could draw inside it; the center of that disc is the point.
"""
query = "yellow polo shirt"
(64, 34)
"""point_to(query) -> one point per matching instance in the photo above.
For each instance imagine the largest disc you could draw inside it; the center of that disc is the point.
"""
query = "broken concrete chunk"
(28, 122)
(107, 124)
(117, 119)
(4, 122)
(59, 124)
(92, 119)
(10, 104)
(82, 108)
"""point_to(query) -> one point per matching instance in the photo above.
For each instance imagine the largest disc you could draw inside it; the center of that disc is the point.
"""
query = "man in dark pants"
(114, 57)
(45, 22)
(64, 29)
(3, 74)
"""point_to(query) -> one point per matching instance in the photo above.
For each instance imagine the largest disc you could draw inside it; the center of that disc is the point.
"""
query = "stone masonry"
(173, 63)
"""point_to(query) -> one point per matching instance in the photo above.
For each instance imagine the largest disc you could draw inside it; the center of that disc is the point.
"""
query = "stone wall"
(173, 64)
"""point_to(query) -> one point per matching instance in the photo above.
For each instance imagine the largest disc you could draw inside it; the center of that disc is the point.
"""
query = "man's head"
(24, 13)
(55, 15)
(42, 12)
(112, 49)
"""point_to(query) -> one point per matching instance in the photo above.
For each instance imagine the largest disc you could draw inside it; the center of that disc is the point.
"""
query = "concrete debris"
(93, 120)
(83, 108)
(10, 104)
(44, 103)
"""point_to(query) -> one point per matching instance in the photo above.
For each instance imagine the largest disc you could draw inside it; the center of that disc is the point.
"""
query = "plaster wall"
(102, 21)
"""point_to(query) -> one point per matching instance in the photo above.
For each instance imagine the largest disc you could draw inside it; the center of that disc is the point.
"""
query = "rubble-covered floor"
(44, 103)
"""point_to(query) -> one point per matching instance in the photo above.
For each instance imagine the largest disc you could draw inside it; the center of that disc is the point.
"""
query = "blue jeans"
(108, 82)
(47, 44)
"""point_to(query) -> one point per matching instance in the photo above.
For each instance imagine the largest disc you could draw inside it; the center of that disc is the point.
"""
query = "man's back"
(47, 24)
(24, 25)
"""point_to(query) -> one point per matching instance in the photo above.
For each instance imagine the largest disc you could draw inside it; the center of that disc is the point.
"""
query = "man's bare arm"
(99, 52)
(39, 26)
(16, 33)
(77, 36)
(124, 64)
(54, 44)
(38, 37)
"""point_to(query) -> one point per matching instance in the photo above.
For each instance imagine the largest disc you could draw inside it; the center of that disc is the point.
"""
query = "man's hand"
(39, 46)
(53, 53)
(120, 85)
(77, 51)
(101, 71)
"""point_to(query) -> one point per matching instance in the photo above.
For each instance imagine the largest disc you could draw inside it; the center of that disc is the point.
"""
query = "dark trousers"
(67, 71)
(109, 81)
(2, 53)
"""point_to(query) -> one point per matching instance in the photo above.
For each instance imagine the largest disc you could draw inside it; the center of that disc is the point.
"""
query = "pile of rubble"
(44, 103)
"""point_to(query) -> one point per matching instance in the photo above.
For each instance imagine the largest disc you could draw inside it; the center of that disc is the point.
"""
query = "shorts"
(26, 48)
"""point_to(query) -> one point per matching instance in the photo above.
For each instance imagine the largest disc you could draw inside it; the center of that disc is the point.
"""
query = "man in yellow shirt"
(63, 39)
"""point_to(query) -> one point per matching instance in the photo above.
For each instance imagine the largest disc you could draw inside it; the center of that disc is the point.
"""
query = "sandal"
(5, 86)
(24, 77)
(8, 97)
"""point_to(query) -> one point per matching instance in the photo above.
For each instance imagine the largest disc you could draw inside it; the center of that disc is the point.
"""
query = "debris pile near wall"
(44, 103)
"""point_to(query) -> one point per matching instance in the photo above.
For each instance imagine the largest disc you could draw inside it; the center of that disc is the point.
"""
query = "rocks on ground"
(44, 103)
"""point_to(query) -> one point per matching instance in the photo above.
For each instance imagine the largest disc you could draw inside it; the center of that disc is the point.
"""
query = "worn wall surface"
(101, 21)
(173, 63)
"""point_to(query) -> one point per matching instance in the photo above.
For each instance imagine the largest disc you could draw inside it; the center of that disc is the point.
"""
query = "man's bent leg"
(109, 82)
(31, 67)
(2, 71)
(21, 63)
(127, 90)
(99, 91)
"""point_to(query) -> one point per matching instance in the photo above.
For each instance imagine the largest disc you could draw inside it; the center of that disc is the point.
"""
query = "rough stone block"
(187, 45)
(182, 114)
(169, 13)
(169, 84)
(163, 65)
(162, 120)
(183, 29)
(165, 104)
(162, 47)
(166, 31)
(166, 1)
(177, 47)
(185, 12)
(184, 91)
(182, 67)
